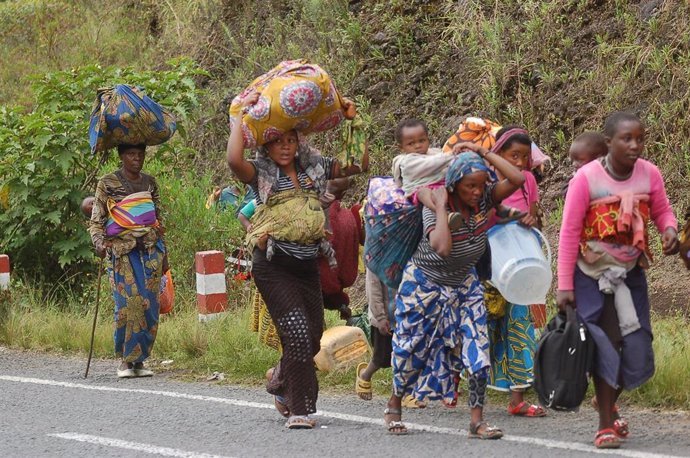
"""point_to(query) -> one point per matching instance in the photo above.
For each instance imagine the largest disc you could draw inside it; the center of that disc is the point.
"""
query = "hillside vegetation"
(558, 67)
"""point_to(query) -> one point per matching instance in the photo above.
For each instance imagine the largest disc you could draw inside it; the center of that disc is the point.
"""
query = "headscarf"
(463, 165)
(536, 158)
(506, 137)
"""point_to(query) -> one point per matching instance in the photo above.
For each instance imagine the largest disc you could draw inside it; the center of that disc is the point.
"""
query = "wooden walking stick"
(95, 316)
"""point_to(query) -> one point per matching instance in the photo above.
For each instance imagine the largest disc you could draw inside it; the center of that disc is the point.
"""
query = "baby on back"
(585, 148)
(417, 166)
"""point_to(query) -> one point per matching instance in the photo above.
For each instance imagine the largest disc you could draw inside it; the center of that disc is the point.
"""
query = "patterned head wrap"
(463, 165)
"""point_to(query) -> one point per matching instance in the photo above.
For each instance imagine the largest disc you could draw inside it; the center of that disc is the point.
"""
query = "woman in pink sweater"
(604, 246)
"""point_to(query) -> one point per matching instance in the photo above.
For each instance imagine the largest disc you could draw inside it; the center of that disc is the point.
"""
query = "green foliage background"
(558, 67)
(46, 165)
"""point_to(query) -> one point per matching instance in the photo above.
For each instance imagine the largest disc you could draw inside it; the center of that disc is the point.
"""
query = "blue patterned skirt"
(512, 349)
(135, 279)
(439, 330)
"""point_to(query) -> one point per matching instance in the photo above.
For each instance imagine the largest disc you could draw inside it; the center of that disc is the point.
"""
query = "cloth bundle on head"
(125, 115)
(476, 130)
(463, 165)
(294, 95)
(483, 132)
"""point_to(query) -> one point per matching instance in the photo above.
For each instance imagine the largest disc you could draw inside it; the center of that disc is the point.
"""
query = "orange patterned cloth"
(475, 130)
(619, 220)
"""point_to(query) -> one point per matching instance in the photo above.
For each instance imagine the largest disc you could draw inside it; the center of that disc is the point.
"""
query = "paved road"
(48, 409)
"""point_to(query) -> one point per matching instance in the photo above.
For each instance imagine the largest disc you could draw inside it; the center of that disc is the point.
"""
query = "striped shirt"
(296, 250)
(469, 243)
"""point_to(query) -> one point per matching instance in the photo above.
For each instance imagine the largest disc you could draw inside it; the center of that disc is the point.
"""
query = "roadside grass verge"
(224, 345)
(227, 345)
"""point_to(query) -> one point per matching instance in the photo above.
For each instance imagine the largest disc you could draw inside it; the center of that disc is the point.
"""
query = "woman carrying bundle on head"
(287, 232)
(440, 313)
(603, 249)
(126, 226)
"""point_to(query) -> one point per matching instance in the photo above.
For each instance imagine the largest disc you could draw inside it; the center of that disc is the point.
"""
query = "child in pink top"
(511, 334)
(604, 234)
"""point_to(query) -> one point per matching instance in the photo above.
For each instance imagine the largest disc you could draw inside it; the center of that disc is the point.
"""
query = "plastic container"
(519, 269)
(342, 347)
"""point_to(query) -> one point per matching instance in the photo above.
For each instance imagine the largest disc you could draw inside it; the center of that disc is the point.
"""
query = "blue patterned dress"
(441, 319)
(440, 330)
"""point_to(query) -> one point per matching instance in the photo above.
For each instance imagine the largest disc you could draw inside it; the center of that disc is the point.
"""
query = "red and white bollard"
(4, 272)
(211, 291)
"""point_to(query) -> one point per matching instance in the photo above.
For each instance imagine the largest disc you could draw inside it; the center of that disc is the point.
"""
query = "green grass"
(224, 345)
(227, 345)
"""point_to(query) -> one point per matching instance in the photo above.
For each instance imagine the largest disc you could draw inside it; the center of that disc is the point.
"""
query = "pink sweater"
(592, 182)
(523, 198)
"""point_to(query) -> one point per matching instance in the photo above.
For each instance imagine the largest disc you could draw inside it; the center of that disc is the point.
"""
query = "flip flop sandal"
(532, 410)
(281, 406)
(300, 422)
(620, 424)
(395, 427)
(487, 433)
(606, 438)
(409, 402)
(361, 385)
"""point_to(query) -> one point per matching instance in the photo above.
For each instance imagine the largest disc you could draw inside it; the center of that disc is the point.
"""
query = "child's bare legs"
(606, 396)
(424, 196)
(516, 398)
(606, 399)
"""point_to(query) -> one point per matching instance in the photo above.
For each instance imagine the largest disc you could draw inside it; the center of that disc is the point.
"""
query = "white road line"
(139, 447)
(548, 443)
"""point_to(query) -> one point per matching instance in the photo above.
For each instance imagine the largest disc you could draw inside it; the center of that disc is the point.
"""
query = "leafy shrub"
(46, 168)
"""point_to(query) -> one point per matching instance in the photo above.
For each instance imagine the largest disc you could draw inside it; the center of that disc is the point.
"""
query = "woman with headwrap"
(126, 225)
(440, 313)
(287, 234)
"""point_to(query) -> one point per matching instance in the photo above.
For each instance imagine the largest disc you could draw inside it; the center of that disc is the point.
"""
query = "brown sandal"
(300, 422)
(487, 432)
(394, 427)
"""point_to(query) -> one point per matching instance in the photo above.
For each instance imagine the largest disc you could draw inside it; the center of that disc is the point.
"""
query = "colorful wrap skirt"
(513, 343)
(439, 330)
(135, 279)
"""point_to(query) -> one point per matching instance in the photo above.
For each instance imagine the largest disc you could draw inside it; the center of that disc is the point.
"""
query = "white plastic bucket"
(519, 269)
